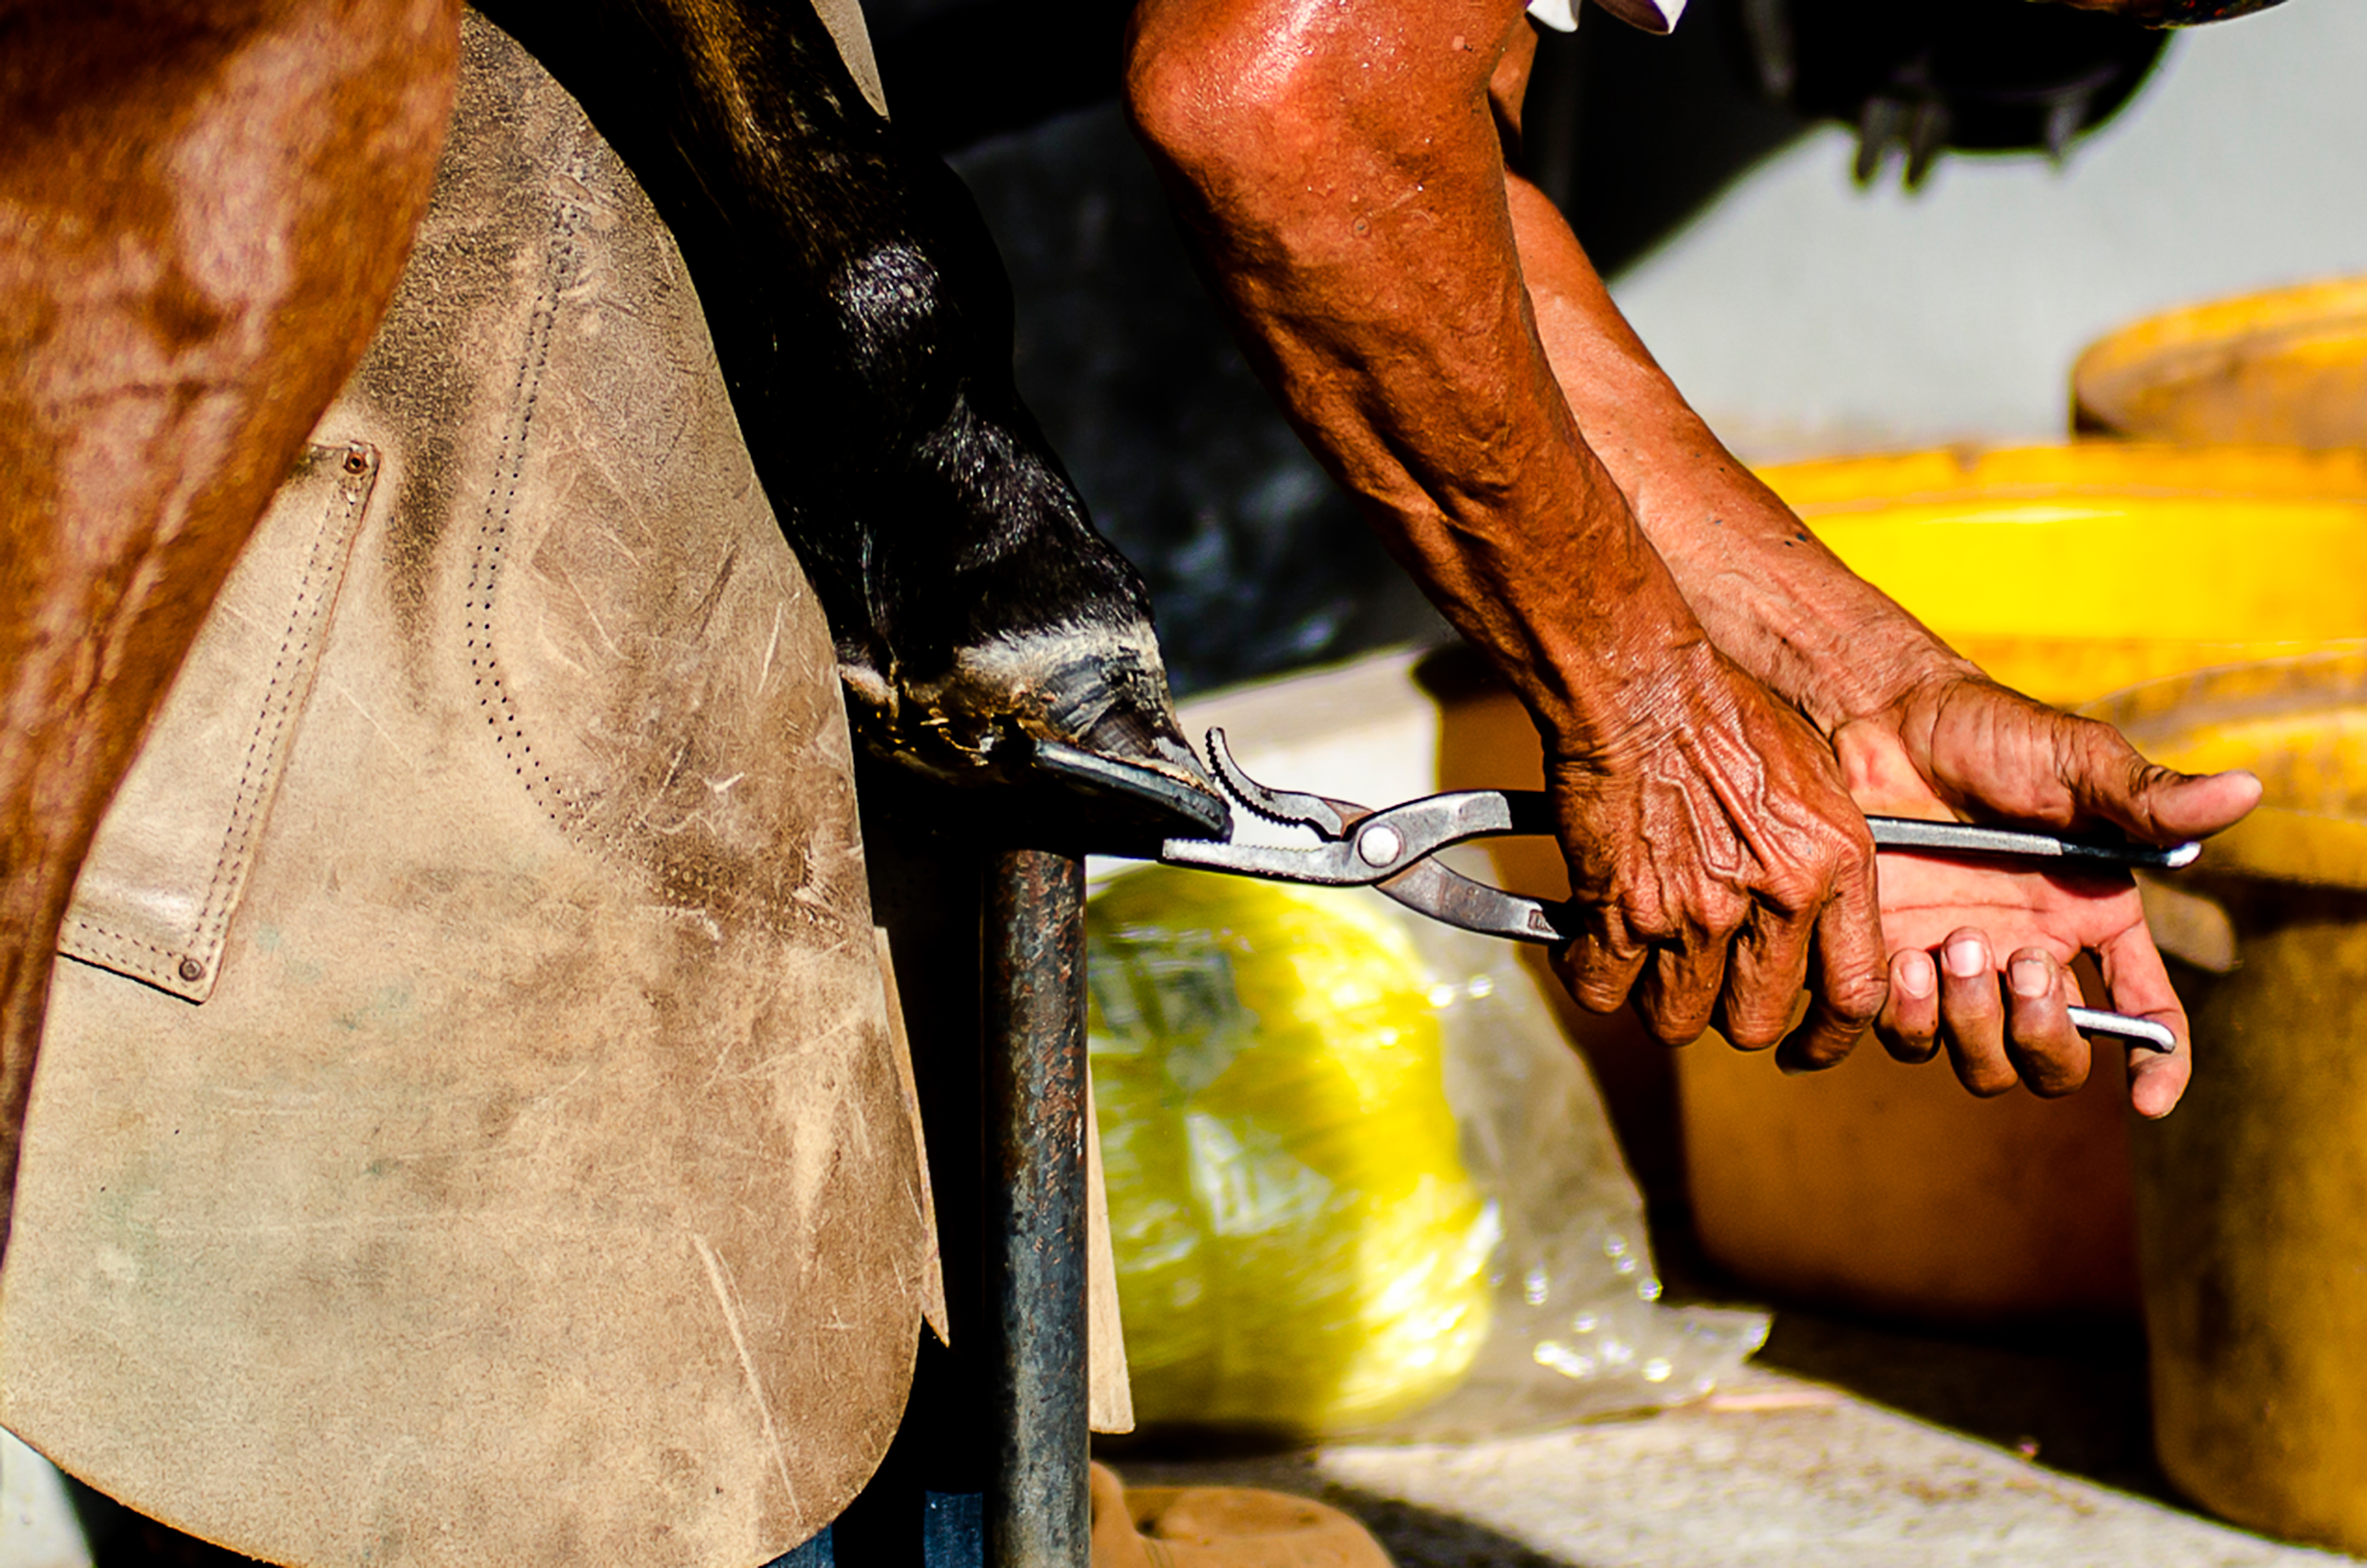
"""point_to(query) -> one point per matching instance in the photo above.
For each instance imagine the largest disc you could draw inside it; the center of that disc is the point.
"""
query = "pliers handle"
(1391, 849)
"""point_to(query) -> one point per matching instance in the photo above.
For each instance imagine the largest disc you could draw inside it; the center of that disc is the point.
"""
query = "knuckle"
(1853, 839)
(1674, 1014)
(1835, 1050)
(2055, 1084)
(1719, 913)
(1649, 920)
(1827, 1051)
(1759, 1014)
(1858, 997)
(1674, 1028)
(1599, 996)
(1593, 985)
(1846, 836)
(1753, 1033)
(1796, 890)
(1909, 1046)
(1989, 1080)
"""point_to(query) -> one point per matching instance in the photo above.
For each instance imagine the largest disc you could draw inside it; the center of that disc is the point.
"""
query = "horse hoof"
(1072, 727)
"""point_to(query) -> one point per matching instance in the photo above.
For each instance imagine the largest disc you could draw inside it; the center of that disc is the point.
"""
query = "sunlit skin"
(1932, 754)
(1720, 699)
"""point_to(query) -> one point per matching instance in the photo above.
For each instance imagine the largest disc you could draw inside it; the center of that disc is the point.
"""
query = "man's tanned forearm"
(1770, 594)
(1342, 179)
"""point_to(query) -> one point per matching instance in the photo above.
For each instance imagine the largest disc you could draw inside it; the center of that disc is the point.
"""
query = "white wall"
(1803, 316)
(38, 1526)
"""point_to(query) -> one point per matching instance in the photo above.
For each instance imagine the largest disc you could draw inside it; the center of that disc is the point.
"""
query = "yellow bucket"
(2288, 368)
(2066, 572)
(2252, 1196)
(2069, 571)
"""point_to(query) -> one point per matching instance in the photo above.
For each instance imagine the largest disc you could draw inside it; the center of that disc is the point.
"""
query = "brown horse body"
(203, 211)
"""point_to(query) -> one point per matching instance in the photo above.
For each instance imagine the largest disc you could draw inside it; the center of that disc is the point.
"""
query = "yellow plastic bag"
(1358, 1182)
(1300, 1246)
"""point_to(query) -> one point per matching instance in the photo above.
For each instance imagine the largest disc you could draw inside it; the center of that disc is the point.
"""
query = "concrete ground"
(1844, 1447)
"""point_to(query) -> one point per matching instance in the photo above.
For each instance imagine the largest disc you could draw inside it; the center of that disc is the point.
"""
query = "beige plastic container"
(2288, 367)
(2252, 1196)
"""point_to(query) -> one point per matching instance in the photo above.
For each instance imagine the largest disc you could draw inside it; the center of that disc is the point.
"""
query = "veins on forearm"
(1355, 226)
(1772, 596)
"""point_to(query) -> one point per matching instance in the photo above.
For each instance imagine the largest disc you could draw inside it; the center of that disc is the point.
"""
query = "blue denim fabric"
(952, 1536)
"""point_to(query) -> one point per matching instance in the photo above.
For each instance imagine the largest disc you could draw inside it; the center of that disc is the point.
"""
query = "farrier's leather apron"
(469, 1131)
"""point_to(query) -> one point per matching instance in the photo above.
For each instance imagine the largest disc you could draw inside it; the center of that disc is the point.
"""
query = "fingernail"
(1965, 960)
(1916, 975)
(2028, 977)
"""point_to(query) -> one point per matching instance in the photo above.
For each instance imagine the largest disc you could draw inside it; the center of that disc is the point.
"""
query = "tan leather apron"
(468, 1129)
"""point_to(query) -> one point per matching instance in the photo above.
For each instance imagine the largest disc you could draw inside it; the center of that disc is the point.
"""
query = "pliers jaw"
(1287, 809)
(1390, 848)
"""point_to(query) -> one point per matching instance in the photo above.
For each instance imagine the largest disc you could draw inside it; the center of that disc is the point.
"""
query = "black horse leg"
(863, 319)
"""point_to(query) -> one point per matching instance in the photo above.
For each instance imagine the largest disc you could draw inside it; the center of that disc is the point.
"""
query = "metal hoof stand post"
(1038, 1511)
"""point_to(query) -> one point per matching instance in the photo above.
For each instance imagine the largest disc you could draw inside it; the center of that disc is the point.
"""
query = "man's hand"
(1716, 855)
(1919, 732)
(1961, 747)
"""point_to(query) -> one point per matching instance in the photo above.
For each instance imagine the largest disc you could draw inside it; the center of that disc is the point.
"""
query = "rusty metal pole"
(1037, 1514)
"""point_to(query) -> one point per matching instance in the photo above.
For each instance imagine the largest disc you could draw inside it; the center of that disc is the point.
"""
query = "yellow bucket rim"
(2194, 341)
(2279, 842)
(1832, 487)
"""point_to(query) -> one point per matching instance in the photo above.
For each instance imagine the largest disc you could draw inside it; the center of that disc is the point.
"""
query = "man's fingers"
(2048, 1053)
(2138, 985)
(1763, 978)
(1600, 967)
(2107, 779)
(1908, 1023)
(1972, 1019)
(1852, 977)
(1680, 986)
